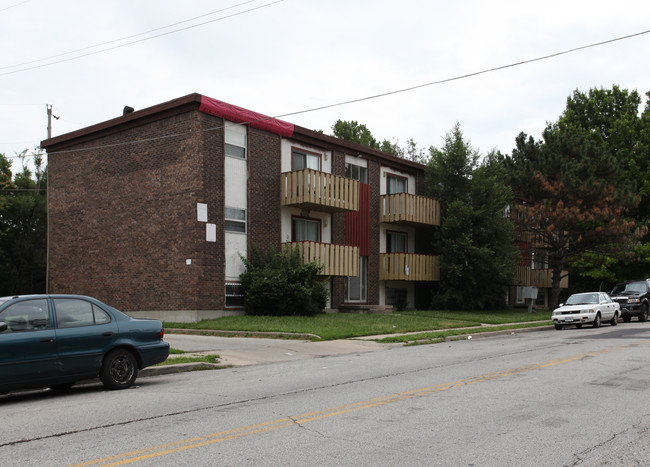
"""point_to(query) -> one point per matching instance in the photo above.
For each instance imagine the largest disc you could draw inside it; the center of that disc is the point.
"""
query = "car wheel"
(627, 318)
(119, 369)
(597, 321)
(644, 313)
(614, 320)
(558, 326)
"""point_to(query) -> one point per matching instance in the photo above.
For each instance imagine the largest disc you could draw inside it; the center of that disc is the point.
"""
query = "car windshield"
(630, 287)
(582, 299)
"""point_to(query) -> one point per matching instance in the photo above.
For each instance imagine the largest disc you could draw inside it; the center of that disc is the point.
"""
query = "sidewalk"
(256, 350)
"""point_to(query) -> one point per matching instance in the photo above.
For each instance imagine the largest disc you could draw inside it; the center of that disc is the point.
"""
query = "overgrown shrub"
(279, 284)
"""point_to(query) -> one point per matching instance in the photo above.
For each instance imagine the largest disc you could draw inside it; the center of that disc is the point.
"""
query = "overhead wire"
(127, 37)
(14, 5)
(375, 96)
(135, 41)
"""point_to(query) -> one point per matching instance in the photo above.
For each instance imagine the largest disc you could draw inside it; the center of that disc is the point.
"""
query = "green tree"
(23, 228)
(476, 241)
(359, 133)
(571, 197)
(612, 116)
(354, 132)
(279, 284)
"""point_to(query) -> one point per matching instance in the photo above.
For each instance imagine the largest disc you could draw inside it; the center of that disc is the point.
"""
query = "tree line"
(23, 226)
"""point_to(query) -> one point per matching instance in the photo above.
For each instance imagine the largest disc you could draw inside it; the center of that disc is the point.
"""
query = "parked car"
(587, 308)
(633, 297)
(56, 340)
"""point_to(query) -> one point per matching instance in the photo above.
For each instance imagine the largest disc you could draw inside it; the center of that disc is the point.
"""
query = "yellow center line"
(197, 442)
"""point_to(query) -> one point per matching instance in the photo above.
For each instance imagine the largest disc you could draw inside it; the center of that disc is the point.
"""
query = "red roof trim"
(238, 115)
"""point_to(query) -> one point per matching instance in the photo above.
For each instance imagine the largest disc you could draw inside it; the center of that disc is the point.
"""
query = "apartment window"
(395, 184)
(539, 261)
(396, 242)
(235, 140)
(305, 230)
(234, 295)
(235, 220)
(304, 160)
(357, 289)
(356, 172)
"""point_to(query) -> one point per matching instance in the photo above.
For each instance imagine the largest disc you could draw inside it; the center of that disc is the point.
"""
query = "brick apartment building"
(151, 210)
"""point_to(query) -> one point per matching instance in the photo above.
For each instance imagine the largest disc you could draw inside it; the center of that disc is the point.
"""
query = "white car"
(587, 308)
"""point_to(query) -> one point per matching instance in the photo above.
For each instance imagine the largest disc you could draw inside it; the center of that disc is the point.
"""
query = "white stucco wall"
(235, 196)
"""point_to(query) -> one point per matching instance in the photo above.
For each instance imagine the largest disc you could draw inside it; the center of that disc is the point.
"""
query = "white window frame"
(311, 160)
(356, 172)
(235, 217)
(398, 178)
(235, 140)
(391, 235)
(295, 220)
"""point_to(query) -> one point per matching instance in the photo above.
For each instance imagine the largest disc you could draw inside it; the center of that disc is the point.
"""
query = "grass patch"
(348, 325)
(211, 358)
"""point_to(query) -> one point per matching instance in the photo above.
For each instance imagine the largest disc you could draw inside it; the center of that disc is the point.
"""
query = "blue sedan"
(56, 340)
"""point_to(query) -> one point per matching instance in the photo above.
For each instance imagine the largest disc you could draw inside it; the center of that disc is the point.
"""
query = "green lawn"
(347, 325)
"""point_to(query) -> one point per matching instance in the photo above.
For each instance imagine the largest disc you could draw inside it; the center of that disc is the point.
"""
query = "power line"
(133, 42)
(125, 38)
(14, 6)
(469, 75)
(377, 96)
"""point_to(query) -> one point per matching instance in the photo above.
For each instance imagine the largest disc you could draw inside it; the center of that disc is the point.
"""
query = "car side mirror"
(3, 326)
(561, 304)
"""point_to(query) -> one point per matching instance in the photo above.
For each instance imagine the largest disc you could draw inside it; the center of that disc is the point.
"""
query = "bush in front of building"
(279, 284)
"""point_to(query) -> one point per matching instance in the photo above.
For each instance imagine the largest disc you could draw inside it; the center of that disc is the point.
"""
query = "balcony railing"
(310, 189)
(337, 260)
(528, 277)
(408, 267)
(404, 208)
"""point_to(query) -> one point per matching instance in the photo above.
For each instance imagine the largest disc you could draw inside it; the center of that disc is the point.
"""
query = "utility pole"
(49, 120)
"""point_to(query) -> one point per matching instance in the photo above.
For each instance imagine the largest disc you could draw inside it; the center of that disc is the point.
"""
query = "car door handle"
(107, 334)
(45, 340)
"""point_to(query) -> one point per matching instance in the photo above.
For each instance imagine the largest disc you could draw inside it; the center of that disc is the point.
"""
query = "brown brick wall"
(122, 216)
(374, 180)
(264, 167)
(338, 233)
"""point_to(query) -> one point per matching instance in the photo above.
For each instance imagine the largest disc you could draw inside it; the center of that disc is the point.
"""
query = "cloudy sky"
(88, 59)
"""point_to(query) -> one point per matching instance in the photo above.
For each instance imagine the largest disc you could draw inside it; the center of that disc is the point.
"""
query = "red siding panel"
(357, 224)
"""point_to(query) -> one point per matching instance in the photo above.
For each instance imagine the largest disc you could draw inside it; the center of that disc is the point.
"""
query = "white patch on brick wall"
(201, 212)
(210, 232)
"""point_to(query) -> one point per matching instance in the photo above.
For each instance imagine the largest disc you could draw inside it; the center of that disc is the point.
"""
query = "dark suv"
(633, 297)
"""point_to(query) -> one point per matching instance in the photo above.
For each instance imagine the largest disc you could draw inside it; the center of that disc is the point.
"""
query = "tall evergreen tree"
(571, 198)
(476, 244)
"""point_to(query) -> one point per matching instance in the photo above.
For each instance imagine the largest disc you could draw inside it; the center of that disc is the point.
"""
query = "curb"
(219, 333)
(498, 333)
(179, 368)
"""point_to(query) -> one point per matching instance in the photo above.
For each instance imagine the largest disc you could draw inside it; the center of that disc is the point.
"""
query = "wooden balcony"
(337, 260)
(310, 189)
(408, 267)
(527, 277)
(404, 208)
